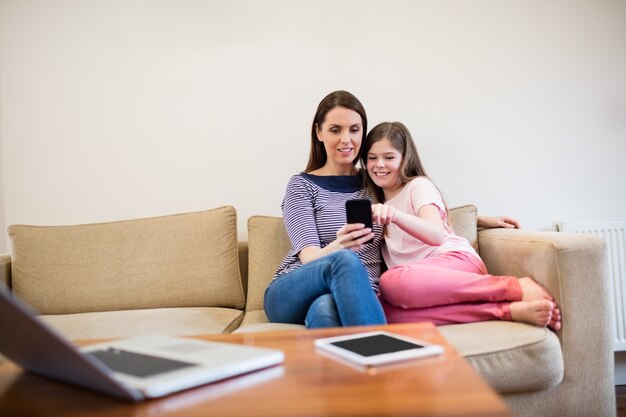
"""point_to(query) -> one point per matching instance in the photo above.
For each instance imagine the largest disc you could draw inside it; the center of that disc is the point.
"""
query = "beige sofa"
(188, 274)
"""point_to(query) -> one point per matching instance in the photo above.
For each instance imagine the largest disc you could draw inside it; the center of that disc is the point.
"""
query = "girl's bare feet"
(532, 290)
(537, 313)
(555, 322)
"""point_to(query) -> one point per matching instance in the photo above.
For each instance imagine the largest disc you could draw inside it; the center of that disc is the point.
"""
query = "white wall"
(127, 108)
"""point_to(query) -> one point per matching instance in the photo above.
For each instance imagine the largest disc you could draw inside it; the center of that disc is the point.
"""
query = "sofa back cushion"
(268, 243)
(463, 220)
(181, 260)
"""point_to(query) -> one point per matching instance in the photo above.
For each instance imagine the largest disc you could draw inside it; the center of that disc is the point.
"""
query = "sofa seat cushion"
(511, 357)
(182, 260)
(256, 321)
(181, 321)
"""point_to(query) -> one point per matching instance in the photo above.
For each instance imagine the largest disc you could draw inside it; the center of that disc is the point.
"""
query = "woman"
(330, 275)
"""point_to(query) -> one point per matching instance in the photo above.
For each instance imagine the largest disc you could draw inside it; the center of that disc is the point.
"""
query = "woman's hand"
(353, 236)
(502, 221)
(383, 214)
(350, 236)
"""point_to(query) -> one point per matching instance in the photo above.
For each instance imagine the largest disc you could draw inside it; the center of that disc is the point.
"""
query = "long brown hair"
(317, 154)
(401, 140)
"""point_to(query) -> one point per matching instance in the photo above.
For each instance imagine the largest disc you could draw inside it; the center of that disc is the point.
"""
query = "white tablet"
(377, 348)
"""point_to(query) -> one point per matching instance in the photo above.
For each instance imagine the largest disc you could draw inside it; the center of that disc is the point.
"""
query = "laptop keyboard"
(137, 364)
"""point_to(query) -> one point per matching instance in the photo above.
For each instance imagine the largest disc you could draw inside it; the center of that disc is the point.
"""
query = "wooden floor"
(620, 399)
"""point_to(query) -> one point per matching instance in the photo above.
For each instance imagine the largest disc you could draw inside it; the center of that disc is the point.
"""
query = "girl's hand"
(353, 236)
(503, 221)
(383, 214)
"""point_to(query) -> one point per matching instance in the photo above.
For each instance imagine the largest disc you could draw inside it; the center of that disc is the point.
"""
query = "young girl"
(435, 275)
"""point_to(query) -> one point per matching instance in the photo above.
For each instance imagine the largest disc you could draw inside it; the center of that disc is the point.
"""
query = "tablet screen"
(378, 344)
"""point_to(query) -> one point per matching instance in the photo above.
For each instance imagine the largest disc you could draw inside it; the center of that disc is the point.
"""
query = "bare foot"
(555, 321)
(533, 291)
(537, 313)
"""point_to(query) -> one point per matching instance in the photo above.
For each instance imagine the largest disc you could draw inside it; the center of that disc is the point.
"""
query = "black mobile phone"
(359, 211)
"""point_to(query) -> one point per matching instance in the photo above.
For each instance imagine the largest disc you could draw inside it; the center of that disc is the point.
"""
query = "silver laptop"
(131, 369)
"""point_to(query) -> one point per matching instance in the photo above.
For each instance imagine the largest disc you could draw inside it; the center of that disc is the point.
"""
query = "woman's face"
(383, 165)
(342, 134)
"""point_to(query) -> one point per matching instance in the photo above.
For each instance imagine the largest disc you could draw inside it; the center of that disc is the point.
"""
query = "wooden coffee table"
(307, 384)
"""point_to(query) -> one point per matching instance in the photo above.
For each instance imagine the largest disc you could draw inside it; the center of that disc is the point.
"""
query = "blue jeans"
(328, 292)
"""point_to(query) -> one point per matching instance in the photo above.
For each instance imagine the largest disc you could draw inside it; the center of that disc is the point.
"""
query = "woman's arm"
(427, 226)
(350, 236)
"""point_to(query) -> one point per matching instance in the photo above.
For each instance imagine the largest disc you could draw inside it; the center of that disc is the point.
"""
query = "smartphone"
(359, 211)
(377, 348)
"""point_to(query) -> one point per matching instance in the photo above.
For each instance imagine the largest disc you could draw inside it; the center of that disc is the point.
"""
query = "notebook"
(130, 369)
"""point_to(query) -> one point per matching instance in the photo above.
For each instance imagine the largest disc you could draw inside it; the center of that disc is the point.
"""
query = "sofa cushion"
(180, 321)
(512, 357)
(464, 220)
(256, 321)
(268, 243)
(5, 270)
(183, 260)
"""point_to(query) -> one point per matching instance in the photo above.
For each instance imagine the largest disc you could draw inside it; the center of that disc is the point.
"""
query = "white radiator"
(612, 230)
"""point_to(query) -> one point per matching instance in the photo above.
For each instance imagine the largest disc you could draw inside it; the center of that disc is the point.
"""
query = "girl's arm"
(350, 236)
(427, 226)
(490, 222)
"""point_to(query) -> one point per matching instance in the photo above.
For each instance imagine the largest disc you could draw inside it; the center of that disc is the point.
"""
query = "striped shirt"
(314, 208)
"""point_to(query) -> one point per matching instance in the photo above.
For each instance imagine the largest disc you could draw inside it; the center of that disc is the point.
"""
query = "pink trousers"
(453, 287)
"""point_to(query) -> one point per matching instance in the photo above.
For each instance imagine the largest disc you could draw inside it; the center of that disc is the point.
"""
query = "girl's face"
(342, 134)
(383, 166)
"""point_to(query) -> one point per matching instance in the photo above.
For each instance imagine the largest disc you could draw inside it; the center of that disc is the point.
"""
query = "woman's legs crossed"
(290, 297)
(323, 313)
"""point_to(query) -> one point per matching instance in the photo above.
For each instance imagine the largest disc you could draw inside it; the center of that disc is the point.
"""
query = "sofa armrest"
(573, 267)
(5, 270)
